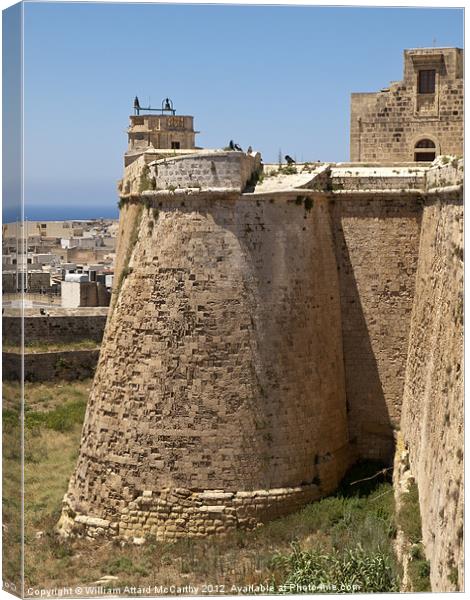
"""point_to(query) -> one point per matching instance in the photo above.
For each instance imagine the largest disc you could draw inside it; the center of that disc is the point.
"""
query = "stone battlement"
(214, 169)
(219, 172)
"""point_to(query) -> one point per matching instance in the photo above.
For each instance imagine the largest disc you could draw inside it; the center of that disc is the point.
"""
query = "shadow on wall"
(377, 244)
(370, 429)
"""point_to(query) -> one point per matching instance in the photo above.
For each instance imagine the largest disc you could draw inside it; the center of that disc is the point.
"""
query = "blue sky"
(272, 77)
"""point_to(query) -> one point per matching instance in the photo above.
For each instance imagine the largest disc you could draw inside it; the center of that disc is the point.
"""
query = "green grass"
(62, 418)
(11, 499)
(43, 396)
(419, 569)
(409, 521)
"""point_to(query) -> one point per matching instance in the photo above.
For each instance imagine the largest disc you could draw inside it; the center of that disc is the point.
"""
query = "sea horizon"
(62, 213)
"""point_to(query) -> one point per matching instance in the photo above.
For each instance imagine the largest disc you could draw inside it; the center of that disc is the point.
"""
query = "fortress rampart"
(432, 411)
(376, 241)
(257, 342)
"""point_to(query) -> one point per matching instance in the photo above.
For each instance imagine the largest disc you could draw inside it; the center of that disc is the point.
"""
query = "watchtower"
(159, 128)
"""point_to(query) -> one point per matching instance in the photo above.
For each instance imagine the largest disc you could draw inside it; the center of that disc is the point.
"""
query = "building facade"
(415, 119)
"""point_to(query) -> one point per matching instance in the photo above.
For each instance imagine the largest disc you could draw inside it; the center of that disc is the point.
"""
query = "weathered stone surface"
(387, 125)
(68, 365)
(91, 521)
(245, 325)
(432, 418)
(59, 325)
(377, 244)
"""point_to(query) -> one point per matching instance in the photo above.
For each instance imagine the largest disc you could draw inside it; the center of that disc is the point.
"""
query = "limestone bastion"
(257, 342)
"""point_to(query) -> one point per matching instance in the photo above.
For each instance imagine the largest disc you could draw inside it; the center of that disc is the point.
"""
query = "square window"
(427, 81)
(175, 145)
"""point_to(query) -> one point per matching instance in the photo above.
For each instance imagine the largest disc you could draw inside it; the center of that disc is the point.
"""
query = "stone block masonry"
(59, 325)
(182, 513)
(407, 121)
(257, 345)
(67, 365)
(216, 370)
(213, 170)
(377, 241)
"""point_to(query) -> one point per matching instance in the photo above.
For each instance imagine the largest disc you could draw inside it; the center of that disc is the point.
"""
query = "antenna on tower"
(434, 40)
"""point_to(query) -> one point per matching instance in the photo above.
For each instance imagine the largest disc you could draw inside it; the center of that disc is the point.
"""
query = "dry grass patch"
(358, 515)
(39, 347)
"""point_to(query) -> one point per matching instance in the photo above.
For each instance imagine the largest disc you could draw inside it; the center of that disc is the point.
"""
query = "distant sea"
(62, 213)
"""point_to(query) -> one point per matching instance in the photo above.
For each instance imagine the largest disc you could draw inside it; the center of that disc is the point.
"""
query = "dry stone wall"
(432, 419)
(67, 365)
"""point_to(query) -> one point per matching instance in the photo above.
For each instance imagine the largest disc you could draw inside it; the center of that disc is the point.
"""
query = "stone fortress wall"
(432, 411)
(217, 285)
(387, 125)
(58, 325)
(376, 241)
(257, 345)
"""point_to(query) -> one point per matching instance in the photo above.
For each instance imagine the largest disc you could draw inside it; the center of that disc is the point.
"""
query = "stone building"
(415, 119)
(162, 131)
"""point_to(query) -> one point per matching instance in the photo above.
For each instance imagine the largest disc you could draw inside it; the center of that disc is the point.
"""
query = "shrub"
(288, 170)
(419, 570)
(354, 570)
(454, 576)
(409, 516)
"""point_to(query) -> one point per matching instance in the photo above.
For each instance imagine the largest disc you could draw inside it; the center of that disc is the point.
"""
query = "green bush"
(124, 564)
(353, 571)
(288, 170)
(419, 570)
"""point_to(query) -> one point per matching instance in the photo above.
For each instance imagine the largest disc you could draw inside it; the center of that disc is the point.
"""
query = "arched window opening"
(425, 151)
(425, 144)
